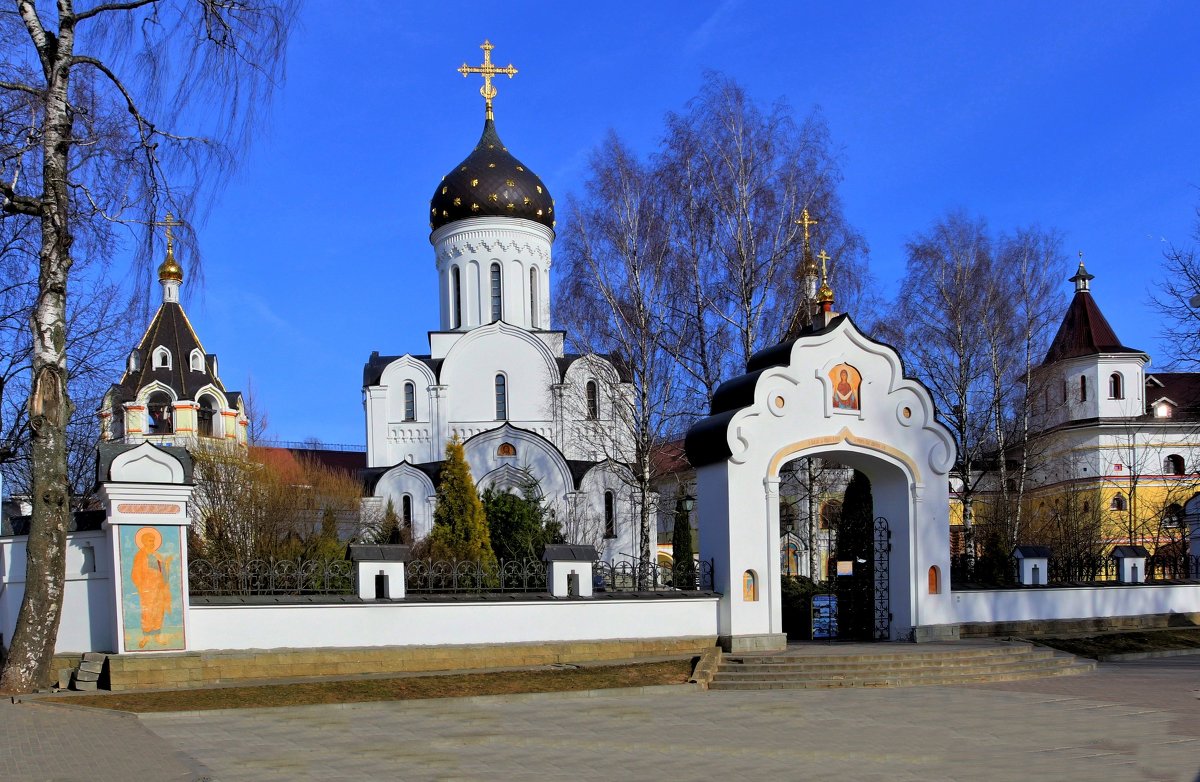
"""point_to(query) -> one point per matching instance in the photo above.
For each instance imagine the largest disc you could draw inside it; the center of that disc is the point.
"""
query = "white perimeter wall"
(1016, 605)
(89, 605)
(429, 624)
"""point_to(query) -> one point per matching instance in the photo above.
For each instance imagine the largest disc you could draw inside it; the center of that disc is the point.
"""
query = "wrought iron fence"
(1075, 569)
(297, 578)
(632, 576)
(260, 577)
(425, 576)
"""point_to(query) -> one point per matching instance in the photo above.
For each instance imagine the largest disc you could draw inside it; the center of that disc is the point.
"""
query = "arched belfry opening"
(831, 397)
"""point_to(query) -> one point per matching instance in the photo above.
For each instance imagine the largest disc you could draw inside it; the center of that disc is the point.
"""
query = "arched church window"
(1064, 390)
(1173, 465)
(456, 295)
(593, 400)
(496, 309)
(197, 361)
(410, 402)
(1173, 515)
(506, 449)
(533, 298)
(406, 511)
(135, 360)
(1116, 386)
(159, 409)
(1118, 502)
(610, 515)
(935, 580)
(162, 358)
(501, 398)
(1083, 388)
(206, 415)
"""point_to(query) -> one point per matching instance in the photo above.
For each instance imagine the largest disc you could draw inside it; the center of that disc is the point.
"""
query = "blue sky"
(1082, 117)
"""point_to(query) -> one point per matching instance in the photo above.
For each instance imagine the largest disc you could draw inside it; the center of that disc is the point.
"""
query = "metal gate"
(881, 578)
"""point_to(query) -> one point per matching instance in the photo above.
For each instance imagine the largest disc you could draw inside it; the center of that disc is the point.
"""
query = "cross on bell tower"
(488, 71)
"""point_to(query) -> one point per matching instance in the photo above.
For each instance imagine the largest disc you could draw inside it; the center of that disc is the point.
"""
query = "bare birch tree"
(738, 176)
(1178, 300)
(109, 115)
(616, 290)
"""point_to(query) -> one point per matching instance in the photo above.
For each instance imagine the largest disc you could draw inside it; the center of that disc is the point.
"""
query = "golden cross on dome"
(169, 223)
(807, 222)
(824, 256)
(488, 71)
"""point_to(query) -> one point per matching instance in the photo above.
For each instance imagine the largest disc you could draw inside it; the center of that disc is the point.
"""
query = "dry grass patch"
(401, 688)
(1104, 644)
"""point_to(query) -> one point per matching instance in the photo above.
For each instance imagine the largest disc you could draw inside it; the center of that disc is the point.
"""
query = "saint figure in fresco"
(151, 576)
(845, 393)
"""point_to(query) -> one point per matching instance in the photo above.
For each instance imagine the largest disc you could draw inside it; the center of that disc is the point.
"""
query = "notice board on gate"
(824, 616)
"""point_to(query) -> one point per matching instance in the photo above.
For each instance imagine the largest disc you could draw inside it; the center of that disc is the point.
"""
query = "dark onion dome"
(489, 183)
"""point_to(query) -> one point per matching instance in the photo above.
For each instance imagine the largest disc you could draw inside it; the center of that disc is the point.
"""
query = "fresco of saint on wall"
(845, 382)
(152, 588)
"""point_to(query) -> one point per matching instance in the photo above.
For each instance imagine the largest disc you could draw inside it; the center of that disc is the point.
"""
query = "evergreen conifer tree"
(389, 528)
(855, 543)
(460, 529)
(681, 548)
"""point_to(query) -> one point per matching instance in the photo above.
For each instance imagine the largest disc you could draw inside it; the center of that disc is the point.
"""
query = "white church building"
(497, 374)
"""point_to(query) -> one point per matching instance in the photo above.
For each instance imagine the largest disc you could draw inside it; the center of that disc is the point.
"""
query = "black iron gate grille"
(883, 606)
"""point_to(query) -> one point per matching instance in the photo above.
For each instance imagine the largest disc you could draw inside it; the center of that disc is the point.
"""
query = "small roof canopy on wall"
(569, 553)
(1129, 552)
(384, 553)
(1031, 552)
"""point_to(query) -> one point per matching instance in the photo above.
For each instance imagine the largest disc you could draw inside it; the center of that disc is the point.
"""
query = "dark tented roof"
(1084, 332)
(170, 329)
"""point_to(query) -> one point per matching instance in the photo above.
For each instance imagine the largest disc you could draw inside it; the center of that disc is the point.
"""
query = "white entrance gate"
(836, 394)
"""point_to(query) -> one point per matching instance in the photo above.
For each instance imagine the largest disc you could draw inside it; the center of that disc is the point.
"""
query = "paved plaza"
(1128, 721)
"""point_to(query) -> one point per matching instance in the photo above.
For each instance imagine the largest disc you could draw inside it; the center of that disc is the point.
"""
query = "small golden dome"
(170, 268)
(825, 294)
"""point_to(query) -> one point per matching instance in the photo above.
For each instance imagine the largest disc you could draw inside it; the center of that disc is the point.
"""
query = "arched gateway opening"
(836, 395)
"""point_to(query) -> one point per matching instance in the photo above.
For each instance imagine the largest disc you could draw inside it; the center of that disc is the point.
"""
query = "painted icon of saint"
(845, 393)
(151, 575)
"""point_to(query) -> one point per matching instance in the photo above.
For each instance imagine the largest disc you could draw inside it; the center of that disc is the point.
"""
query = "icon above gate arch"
(845, 387)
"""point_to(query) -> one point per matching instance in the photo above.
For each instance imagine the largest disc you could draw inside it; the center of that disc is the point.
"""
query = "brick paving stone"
(1134, 721)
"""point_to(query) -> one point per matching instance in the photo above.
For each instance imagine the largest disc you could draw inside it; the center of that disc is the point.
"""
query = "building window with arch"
(1083, 388)
(162, 358)
(406, 511)
(593, 400)
(197, 361)
(610, 515)
(1173, 465)
(159, 409)
(501, 398)
(831, 511)
(206, 417)
(1116, 386)
(935, 580)
(1173, 515)
(1118, 502)
(410, 401)
(1064, 390)
(455, 298)
(533, 298)
(496, 308)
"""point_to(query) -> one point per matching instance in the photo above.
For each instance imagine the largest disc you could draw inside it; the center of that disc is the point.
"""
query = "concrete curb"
(612, 692)
(1114, 658)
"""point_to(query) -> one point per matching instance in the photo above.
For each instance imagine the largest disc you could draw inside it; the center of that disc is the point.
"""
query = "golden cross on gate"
(488, 71)
(169, 223)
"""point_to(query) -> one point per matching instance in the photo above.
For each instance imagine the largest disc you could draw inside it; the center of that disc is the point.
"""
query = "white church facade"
(497, 374)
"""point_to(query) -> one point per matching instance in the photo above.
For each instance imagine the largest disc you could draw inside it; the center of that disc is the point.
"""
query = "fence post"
(145, 490)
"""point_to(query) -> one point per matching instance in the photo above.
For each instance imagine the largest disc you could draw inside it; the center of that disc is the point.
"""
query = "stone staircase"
(86, 675)
(815, 666)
